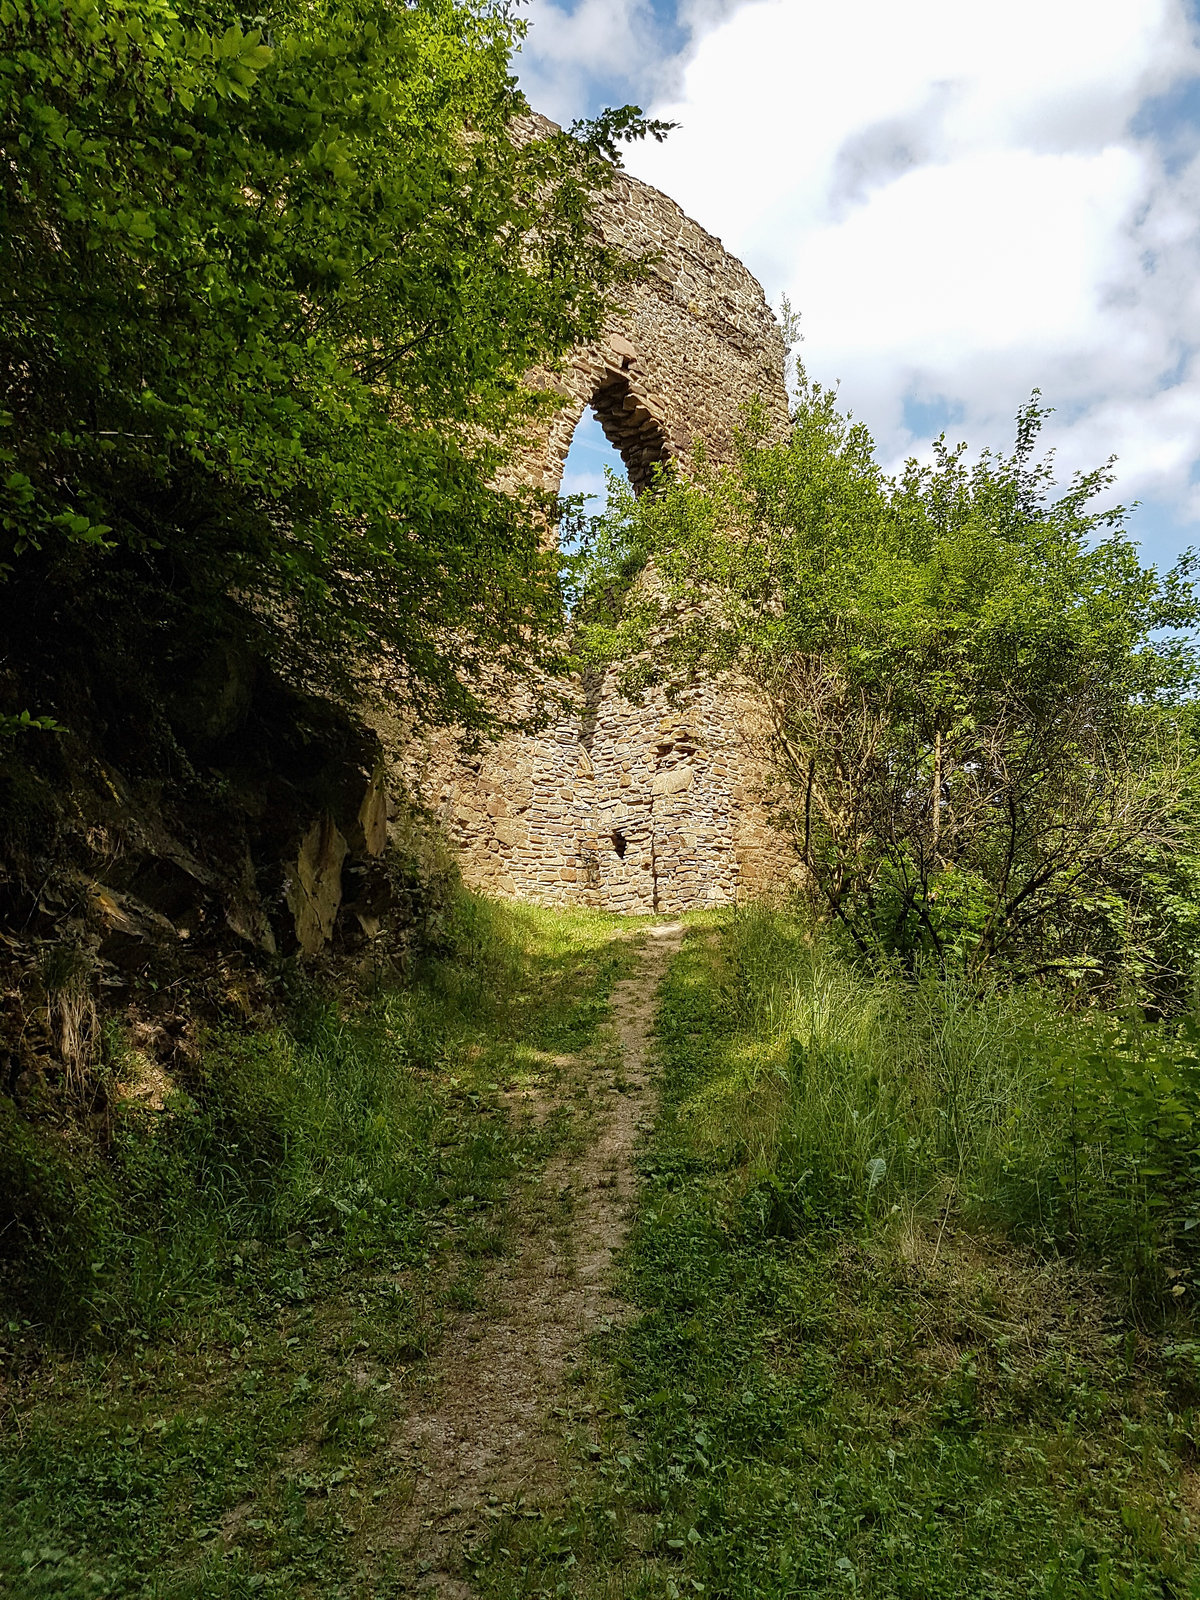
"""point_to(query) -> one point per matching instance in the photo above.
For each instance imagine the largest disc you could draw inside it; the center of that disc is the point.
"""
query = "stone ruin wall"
(655, 806)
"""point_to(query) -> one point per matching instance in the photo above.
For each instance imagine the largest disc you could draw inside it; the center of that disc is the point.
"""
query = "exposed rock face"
(153, 878)
(314, 891)
(657, 806)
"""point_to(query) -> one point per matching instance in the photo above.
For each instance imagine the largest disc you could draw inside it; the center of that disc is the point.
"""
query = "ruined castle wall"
(695, 342)
(659, 805)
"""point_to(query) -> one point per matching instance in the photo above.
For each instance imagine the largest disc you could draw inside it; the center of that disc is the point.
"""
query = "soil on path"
(481, 1433)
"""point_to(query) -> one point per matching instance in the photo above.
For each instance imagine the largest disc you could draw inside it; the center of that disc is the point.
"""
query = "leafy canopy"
(267, 297)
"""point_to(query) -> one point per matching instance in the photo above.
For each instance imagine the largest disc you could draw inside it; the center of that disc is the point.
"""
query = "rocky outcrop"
(159, 876)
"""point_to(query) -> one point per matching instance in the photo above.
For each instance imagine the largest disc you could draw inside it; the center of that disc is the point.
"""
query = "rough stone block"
(674, 781)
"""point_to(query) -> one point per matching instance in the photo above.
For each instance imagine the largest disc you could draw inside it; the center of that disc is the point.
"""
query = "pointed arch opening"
(614, 414)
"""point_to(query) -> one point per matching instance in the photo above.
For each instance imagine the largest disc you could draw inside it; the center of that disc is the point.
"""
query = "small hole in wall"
(618, 840)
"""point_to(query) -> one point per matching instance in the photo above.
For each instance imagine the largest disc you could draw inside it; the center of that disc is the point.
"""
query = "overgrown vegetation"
(336, 1123)
(1075, 1132)
(914, 1318)
(916, 1254)
(974, 696)
(253, 1263)
(269, 293)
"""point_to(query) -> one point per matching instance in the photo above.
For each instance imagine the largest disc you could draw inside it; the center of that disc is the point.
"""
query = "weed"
(863, 1094)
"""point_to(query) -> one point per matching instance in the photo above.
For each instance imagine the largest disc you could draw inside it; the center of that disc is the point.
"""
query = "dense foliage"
(267, 295)
(976, 694)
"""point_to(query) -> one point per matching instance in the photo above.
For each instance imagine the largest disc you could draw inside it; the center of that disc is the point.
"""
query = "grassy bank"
(914, 1308)
(223, 1306)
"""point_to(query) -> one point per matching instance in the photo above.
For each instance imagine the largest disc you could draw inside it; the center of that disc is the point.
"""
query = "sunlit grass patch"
(886, 1094)
(260, 1266)
(901, 1386)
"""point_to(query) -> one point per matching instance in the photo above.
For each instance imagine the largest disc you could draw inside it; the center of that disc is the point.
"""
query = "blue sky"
(963, 201)
(590, 454)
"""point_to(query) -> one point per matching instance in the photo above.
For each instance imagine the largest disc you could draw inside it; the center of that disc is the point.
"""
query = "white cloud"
(952, 197)
(595, 43)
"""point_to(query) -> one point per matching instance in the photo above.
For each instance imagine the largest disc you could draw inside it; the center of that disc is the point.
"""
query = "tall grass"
(844, 1378)
(851, 1090)
(350, 1120)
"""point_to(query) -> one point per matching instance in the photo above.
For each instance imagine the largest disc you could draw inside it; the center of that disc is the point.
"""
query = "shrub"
(868, 1093)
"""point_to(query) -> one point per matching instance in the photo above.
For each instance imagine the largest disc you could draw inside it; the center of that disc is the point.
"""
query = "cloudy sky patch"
(962, 201)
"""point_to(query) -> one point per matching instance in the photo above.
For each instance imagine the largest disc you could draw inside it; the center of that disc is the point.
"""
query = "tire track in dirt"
(482, 1434)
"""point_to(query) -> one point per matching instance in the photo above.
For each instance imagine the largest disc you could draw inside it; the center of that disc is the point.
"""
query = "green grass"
(854, 1095)
(909, 1319)
(229, 1303)
(922, 1382)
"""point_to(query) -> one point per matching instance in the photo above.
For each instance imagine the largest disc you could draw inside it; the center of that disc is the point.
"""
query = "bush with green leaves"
(976, 695)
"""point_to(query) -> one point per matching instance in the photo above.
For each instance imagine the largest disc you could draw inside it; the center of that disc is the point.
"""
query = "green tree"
(267, 296)
(974, 689)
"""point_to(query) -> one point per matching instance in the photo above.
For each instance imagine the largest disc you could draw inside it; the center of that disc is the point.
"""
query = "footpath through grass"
(900, 1331)
(240, 1285)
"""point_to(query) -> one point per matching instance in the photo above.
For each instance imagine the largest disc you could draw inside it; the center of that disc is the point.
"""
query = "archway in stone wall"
(650, 805)
(634, 432)
(615, 382)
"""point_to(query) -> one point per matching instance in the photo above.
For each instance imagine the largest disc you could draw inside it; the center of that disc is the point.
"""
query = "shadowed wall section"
(654, 806)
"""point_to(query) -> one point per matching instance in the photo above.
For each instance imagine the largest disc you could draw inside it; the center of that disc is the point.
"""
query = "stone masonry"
(655, 806)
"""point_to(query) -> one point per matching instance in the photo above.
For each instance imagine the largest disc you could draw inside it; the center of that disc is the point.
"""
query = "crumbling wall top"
(693, 343)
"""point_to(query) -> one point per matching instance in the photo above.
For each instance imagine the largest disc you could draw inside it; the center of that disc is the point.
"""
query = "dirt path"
(482, 1433)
